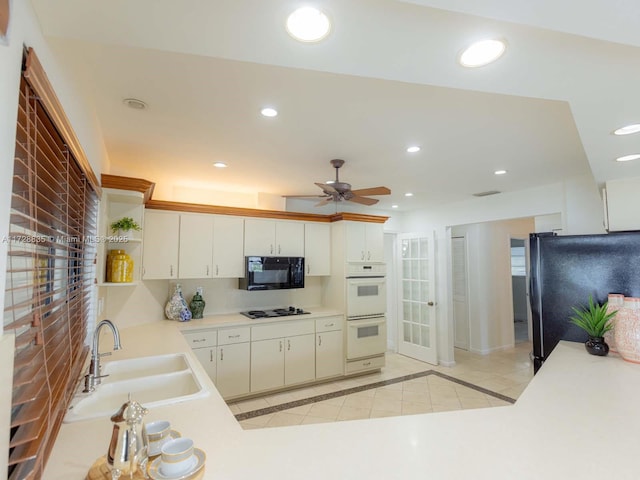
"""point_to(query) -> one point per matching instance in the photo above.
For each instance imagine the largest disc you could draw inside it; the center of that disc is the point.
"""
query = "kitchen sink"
(151, 381)
(143, 367)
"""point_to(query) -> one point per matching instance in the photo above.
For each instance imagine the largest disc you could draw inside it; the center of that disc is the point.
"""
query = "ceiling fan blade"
(327, 188)
(326, 201)
(363, 200)
(372, 191)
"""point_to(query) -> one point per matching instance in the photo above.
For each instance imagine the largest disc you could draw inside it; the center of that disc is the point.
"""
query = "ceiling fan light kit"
(339, 191)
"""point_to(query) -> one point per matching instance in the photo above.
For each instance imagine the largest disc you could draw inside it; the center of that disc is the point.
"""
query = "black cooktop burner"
(276, 312)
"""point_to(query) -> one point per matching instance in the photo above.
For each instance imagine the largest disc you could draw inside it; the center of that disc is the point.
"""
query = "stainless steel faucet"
(93, 378)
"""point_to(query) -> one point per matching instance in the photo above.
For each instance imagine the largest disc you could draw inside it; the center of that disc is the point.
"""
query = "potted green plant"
(123, 226)
(596, 321)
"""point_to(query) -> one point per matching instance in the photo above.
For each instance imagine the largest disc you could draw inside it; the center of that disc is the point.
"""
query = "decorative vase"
(124, 234)
(615, 301)
(120, 267)
(176, 308)
(596, 346)
(197, 304)
(627, 331)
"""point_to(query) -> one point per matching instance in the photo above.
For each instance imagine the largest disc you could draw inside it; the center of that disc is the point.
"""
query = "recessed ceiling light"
(482, 53)
(500, 172)
(394, 206)
(413, 149)
(329, 182)
(408, 194)
(220, 165)
(628, 158)
(627, 129)
(134, 103)
(269, 112)
(308, 24)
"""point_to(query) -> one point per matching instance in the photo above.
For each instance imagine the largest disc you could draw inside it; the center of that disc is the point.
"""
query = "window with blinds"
(50, 277)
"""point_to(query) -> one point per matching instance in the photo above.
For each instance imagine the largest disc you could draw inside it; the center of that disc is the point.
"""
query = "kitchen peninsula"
(577, 419)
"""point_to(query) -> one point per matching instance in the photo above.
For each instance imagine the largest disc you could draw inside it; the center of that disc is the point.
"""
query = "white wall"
(128, 306)
(576, 201)
(24, 30)
(489, 278)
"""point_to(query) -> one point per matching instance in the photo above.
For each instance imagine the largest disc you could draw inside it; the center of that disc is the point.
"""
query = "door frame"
(466, 261)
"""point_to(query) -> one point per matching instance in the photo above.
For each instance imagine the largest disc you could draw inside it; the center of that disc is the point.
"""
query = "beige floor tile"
(352, 413)
(235, 409)
(248, 426)
(392, 387)
(310, 419)
(412, 408)
(388, 405)
(253, 404)
(283, 419)
(496, 402)
(358, 401)
(260, 421)
(474, 402)
(446, 408)
(415, 387)
(324, 410)
(279, 398)
(395, 394)
(416, 397)
(339, 401)
(365, 393)
(301, 410)
(382, 413)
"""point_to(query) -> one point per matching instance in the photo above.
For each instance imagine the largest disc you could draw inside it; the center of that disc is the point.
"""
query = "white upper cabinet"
(622, 200)
(317, 248)
(211, 246)
(228, 253)
(273, 238)
(196, 241)
(365, 242)
(160, 244)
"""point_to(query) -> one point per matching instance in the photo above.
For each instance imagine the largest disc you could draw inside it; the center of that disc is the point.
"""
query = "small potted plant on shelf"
(124, 226)
(596, 321)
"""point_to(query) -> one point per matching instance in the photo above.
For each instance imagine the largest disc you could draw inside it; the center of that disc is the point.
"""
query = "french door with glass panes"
(416, 316)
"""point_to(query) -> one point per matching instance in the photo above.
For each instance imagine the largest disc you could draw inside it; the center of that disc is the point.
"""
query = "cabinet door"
(196, 238)
(355, 240)
(317, 249)
(207, 358)
(289, 239)
(232, 377)
(160, 245)
(299, 359)
(259, 237)
(329, 354)
(228, 249)
(375, 242)
(267, 364)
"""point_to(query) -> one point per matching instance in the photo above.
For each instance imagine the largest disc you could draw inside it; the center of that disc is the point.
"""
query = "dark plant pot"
(596, 346)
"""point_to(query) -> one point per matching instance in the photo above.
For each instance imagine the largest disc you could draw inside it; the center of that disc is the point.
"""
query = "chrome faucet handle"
(105, 354)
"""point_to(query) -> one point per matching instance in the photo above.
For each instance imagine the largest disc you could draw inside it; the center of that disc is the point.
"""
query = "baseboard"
(487, 351)
(447, 363)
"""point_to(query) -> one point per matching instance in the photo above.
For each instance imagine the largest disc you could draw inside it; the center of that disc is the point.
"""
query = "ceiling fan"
(341, 191)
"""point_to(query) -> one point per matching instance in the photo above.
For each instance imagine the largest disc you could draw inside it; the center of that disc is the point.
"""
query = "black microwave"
(272, 273)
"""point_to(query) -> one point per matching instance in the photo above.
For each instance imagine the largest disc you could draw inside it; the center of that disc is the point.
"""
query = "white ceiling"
(385, 78)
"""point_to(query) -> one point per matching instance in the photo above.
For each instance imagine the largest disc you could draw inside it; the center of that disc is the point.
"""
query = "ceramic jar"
(615, 301)
(119, 267)
(627, 330)
(176, 308)
(197, 304)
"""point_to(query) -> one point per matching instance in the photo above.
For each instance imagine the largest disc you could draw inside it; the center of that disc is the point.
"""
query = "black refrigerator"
(565, 270)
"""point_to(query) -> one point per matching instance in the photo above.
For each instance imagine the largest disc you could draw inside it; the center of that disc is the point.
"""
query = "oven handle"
(369, 324)
(364, 277)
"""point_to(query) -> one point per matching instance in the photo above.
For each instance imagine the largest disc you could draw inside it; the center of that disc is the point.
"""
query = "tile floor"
(404, 387)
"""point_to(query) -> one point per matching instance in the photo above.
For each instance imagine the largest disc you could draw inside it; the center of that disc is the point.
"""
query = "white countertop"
(237, 319)
(578, 418)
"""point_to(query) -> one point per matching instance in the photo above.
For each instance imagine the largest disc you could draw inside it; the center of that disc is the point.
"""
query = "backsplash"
(144, 303)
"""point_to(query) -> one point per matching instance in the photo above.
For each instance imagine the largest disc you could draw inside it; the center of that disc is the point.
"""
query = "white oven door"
(366, 337)
(366, 296)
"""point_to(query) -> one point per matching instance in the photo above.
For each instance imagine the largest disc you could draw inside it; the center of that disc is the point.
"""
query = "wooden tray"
(100, 471)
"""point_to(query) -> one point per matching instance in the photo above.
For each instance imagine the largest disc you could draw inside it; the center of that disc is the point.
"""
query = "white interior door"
(460, 288)
(416, 313)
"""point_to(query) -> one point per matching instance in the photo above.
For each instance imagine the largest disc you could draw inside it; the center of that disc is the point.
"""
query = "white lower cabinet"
(234, 361)
(207, 357)
(282, 354)
(233, 369)
(329, 347)
(265, 357)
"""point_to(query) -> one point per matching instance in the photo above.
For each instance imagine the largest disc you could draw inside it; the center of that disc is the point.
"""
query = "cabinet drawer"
(328, 324)
(365, 364)
(201, 338)
(228, 336)
(280, 330)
